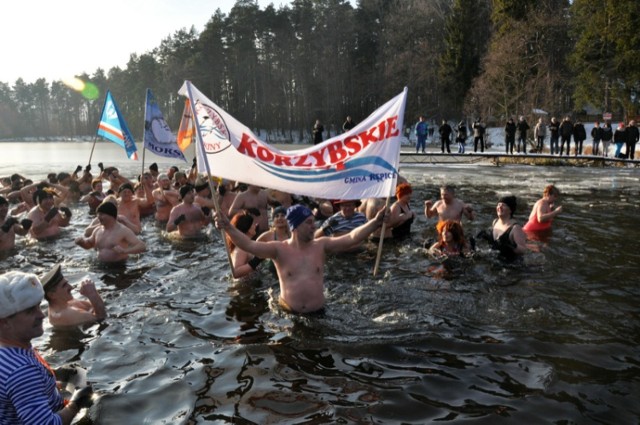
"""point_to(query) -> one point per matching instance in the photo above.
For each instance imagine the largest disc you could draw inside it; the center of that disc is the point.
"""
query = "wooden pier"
(409, 157)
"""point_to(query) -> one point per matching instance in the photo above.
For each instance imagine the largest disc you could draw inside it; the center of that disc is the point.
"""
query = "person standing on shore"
(29, 393)
(566, 131)
(445, 131)
(348, 124)
(462, 136)
(633, 135)
(579, 135)
(422, 129)
(317, 131)
(596, 136)
(540, 133)
(523, 127)
(620, 139)
(478, 134)
(607, 136)
(509, 135)
(554, 136)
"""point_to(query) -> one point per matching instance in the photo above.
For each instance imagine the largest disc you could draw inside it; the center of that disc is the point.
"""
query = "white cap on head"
(19, 291)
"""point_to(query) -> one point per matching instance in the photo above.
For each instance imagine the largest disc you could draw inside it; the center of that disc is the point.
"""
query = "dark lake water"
(553, 340)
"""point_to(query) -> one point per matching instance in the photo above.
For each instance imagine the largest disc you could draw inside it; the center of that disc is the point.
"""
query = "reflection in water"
(551, 340)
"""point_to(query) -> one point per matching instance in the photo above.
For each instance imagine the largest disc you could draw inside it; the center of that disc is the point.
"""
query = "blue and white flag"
(158, 137)
(114, 128)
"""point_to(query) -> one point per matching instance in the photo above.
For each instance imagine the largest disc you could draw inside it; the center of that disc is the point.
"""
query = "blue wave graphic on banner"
(351, 169)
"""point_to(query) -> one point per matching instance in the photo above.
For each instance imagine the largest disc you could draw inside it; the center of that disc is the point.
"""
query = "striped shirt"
(339, 224)
(28, 392)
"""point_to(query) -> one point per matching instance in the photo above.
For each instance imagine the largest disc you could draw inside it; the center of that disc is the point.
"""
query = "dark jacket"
(620, 136)
(633, 134)
(523, 126)
(554, 129)
(566, 129)
(579, 133)
(510, 131)
(445, 131)
(596, 134)
(607, 133)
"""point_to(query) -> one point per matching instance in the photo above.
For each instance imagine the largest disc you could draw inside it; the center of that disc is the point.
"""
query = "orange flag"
(186, 132)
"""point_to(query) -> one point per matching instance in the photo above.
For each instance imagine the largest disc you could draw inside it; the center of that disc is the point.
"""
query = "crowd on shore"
(525, 139)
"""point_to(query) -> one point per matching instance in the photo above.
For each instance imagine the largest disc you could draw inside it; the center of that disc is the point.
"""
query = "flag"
(361, 163)
(158, 137)
(186, 130)
(114, 128)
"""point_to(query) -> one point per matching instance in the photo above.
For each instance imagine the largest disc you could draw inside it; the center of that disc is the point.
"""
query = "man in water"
(64, 309)
(343, 221)
(9, 227)
(448, 207)
(253, 197)
(165, 198)
(29, 393)
(113, 241)
(187, 218)
(47, 219)
(300, 259)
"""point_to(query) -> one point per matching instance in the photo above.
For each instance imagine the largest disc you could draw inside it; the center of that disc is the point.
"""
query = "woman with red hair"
(401, 215)
(451, 240)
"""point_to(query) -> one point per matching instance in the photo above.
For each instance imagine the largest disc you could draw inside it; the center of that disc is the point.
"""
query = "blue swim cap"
(296, 214)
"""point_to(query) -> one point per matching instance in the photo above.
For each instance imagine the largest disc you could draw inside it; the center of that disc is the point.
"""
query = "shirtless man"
(300, 259)
(95, 197)
(165, 198)
(10, 227)
(130, 206)
(64, 309)
(113, 240)
(186, 217)
(203, 198)
(253, 197)
(47, 219)
(448, 207)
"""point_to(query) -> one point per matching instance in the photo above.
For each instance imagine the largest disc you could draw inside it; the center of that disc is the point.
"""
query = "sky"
(57, 39)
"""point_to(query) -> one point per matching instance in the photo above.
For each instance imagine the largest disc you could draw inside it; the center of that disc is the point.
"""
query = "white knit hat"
(19, 291)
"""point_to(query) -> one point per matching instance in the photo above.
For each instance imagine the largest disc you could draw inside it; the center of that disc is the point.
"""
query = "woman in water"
(543, 212)
(451, 240)
(508, 237)
(401, 215)
(243, 263)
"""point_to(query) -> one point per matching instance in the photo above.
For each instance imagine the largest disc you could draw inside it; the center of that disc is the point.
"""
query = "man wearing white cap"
(28, 394)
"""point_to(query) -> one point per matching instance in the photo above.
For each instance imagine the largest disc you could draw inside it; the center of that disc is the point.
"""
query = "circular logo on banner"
(214, 131)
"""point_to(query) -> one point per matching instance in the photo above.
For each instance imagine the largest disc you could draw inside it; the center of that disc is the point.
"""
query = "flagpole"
(144, 133)
(386, 205)
(381, 242)
(95, 137)
(199, 145)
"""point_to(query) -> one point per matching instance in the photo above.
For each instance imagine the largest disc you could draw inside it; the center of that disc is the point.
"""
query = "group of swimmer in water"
(183, 204)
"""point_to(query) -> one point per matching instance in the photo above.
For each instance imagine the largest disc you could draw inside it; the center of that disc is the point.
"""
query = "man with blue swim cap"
(300, 259)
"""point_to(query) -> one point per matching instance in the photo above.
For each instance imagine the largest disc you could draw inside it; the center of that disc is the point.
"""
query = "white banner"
(361, 163)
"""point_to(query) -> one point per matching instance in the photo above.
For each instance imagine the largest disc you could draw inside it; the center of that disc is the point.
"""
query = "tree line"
(282, 68)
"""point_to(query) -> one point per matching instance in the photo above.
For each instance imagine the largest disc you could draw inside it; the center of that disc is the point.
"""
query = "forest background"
(280, 69)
